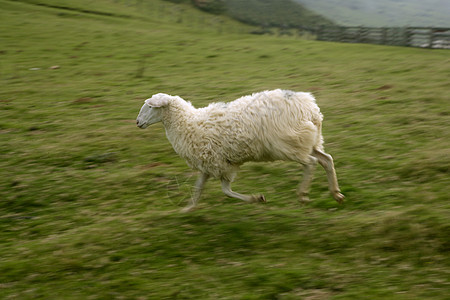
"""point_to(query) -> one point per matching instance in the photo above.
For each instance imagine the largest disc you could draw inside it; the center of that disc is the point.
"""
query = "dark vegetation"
(268, 13)
(279, 13)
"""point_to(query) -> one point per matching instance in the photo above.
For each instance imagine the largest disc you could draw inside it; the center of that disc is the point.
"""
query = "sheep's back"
(269, 125)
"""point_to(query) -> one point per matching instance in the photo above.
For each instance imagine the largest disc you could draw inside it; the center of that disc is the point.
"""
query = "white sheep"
(266, 126)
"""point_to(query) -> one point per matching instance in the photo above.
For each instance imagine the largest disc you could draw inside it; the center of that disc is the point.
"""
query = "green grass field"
(89, 203)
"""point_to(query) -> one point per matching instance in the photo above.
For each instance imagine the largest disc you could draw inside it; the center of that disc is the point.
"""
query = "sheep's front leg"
(199, 184)
(226, 188)
(303, 189)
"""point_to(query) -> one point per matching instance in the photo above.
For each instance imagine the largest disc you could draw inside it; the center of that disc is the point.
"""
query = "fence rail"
(424, 37)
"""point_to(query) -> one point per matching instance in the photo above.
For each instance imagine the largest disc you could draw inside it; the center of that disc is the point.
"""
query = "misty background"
(383, 12)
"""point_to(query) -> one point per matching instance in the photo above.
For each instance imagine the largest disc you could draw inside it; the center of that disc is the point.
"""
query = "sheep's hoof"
(304, 199)
(339, 197)
(258, 199)
(187, 209)
(261, 199)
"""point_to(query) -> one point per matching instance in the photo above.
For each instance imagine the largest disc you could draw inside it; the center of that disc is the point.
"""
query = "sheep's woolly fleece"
(266, 126)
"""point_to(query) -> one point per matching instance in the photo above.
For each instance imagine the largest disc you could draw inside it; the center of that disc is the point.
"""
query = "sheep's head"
(151, 110)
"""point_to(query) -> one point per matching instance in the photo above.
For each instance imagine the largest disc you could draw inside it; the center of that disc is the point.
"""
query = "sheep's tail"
(319, 138)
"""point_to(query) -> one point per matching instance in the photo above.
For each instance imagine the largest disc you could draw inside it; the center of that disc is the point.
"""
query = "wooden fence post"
(431, 38)
(384, 36)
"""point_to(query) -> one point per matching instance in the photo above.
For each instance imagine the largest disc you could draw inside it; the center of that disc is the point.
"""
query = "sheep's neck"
(179, 127)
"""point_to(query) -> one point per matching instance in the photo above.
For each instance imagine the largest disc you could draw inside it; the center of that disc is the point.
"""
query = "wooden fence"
(425, 37)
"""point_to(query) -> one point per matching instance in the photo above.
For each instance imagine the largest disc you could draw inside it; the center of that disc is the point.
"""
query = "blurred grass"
(89, 203)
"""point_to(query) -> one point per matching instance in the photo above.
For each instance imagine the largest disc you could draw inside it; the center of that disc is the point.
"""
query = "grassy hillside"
(89, 204)
(383, 12)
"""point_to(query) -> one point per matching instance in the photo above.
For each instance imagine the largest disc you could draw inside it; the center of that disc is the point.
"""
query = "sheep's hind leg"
(199, 184)
(226, 188)
(303, 189)
(326, 161)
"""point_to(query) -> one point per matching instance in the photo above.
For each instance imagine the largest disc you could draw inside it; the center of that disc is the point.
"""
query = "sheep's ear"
(158, 100)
